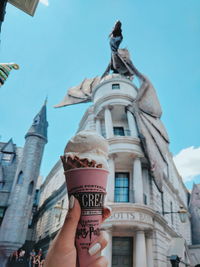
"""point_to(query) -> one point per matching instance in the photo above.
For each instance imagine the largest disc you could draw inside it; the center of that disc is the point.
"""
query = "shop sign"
(130, 216)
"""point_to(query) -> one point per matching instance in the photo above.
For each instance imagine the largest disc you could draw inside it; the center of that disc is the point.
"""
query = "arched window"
(20, 178)
(30, 188)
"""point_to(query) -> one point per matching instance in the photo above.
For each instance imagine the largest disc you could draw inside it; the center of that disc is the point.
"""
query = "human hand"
(62, 251)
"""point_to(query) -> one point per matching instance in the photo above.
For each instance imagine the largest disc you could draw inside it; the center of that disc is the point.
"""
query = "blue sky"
(67, 40)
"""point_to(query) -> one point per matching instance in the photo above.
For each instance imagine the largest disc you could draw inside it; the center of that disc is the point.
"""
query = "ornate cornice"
(119, 96)
(126, 140)
(115, 79)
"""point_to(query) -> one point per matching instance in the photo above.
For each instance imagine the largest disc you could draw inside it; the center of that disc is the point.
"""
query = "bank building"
(151, 224)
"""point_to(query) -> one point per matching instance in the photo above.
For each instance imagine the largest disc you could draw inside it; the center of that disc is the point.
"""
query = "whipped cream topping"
(90, 145)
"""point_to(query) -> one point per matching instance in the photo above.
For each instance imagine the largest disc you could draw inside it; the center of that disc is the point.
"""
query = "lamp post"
(182, 213)
(175, 260)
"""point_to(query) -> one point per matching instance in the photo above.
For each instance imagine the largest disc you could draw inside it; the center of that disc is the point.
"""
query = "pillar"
(149, 250)
(140, 250)
(98, 125)
(132, 124)
(111, 179)
(108, 122)
(137, 181)
(107, 252)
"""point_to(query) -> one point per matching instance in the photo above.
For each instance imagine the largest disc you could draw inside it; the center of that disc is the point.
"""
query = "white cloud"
(45, 2)
(188, 163)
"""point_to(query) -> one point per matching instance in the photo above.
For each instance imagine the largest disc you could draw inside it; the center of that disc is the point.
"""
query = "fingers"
(100, 262)
(68, 230)
(106, 213)
(99, 244)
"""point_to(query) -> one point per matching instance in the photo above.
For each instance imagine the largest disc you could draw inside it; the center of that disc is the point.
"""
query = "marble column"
(108, 122)
(137, 181)
(111, 179)
(149, 250)
(98, 125)
(140, 250)
(132, 124)
(107, 251)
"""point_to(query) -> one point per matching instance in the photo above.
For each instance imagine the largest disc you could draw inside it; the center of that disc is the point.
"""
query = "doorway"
(122, 251)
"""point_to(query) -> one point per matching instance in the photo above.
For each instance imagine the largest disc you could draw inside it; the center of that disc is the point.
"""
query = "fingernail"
(71, 202)
(94, 249)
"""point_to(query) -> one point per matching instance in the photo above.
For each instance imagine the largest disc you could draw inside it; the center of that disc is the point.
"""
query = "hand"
(62, 251)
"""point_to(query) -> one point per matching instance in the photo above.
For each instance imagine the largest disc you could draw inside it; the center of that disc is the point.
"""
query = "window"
(7, 157)
(36, 120)
(121, 187)
(171, 210)
(2, 183)
(122, 251)
(119, 131)
(61, 208)
(30, 188)
(20, 178)
(36, 198)
(197, 196)
(145, 199)
(2, 212)
(115, 86)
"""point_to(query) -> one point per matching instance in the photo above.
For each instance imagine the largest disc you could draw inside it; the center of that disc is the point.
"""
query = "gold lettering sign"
(131, 216)
(28, 6)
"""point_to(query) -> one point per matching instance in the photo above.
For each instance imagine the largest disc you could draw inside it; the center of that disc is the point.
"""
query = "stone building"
(145, 228)
(194, 208)
(19, 171)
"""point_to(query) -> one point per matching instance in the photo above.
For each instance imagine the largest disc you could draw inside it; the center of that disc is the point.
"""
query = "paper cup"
(88, 185)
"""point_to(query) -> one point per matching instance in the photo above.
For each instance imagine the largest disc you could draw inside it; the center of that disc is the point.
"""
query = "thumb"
(68, 231)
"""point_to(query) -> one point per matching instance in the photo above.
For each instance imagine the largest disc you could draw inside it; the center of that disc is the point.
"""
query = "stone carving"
(147, 111)
(80, 93)
(120, 63)
(120, 58)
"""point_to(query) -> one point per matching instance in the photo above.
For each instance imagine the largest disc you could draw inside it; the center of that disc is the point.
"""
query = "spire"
(40, 124)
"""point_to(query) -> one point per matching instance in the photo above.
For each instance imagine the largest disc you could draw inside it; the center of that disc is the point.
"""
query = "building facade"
(19, 172)
(194, 208)
(145, 228)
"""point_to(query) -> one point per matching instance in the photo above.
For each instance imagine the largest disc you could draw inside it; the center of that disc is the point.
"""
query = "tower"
(15, 222)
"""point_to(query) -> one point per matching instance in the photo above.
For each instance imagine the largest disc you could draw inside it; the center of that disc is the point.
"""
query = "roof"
(39, 125)
(8, 147)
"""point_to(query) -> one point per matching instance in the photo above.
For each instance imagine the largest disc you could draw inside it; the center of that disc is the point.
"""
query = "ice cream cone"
(88, 185)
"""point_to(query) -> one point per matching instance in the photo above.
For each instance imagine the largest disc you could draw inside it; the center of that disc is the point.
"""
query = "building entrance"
(122, 252)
